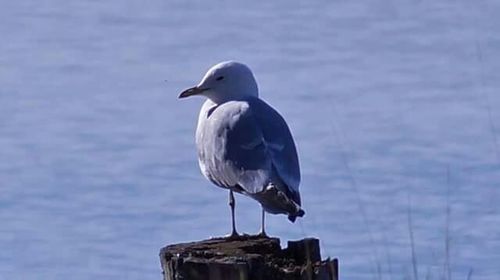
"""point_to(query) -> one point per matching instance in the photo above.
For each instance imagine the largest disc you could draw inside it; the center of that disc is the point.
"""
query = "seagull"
(244, 145)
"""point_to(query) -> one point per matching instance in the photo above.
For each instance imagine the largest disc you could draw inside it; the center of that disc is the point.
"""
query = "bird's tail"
(293, 217)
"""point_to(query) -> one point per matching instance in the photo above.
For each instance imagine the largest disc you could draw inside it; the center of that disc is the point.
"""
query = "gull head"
(226, 81)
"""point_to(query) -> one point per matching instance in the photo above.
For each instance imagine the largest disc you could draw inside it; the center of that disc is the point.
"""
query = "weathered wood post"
(247, 258)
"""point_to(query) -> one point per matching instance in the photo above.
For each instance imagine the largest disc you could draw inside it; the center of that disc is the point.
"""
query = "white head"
(226, 81)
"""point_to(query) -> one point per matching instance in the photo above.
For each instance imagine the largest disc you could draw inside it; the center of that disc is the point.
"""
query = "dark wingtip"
(293, 217)
(301, 213)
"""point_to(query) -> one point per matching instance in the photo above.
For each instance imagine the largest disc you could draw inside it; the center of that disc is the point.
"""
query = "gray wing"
(259, 148)
(281, 145)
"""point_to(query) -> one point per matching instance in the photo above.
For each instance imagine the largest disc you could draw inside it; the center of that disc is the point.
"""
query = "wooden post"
(247, 258)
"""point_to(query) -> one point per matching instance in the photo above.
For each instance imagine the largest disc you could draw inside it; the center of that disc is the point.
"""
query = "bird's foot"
(262, 234)
(233, 236)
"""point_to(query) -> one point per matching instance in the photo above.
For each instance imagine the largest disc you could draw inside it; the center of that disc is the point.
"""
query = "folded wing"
(259, 148)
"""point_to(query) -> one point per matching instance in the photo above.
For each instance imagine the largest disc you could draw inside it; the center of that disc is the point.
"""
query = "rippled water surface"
(394, 107)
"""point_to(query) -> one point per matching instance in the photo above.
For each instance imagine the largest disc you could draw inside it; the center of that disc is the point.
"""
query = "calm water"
(394, 107)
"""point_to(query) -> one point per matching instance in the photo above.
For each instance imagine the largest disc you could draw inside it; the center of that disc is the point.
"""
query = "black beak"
(192, 91)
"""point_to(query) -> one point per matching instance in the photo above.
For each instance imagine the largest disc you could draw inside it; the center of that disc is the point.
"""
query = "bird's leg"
(232, 204)
(262, 232)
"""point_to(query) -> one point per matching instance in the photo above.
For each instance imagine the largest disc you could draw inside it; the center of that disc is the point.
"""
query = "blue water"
(394, 107)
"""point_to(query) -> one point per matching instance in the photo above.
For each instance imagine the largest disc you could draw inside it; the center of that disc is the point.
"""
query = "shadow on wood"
(247, 258)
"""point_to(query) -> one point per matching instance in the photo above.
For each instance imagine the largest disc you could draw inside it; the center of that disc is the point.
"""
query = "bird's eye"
(220, 78)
